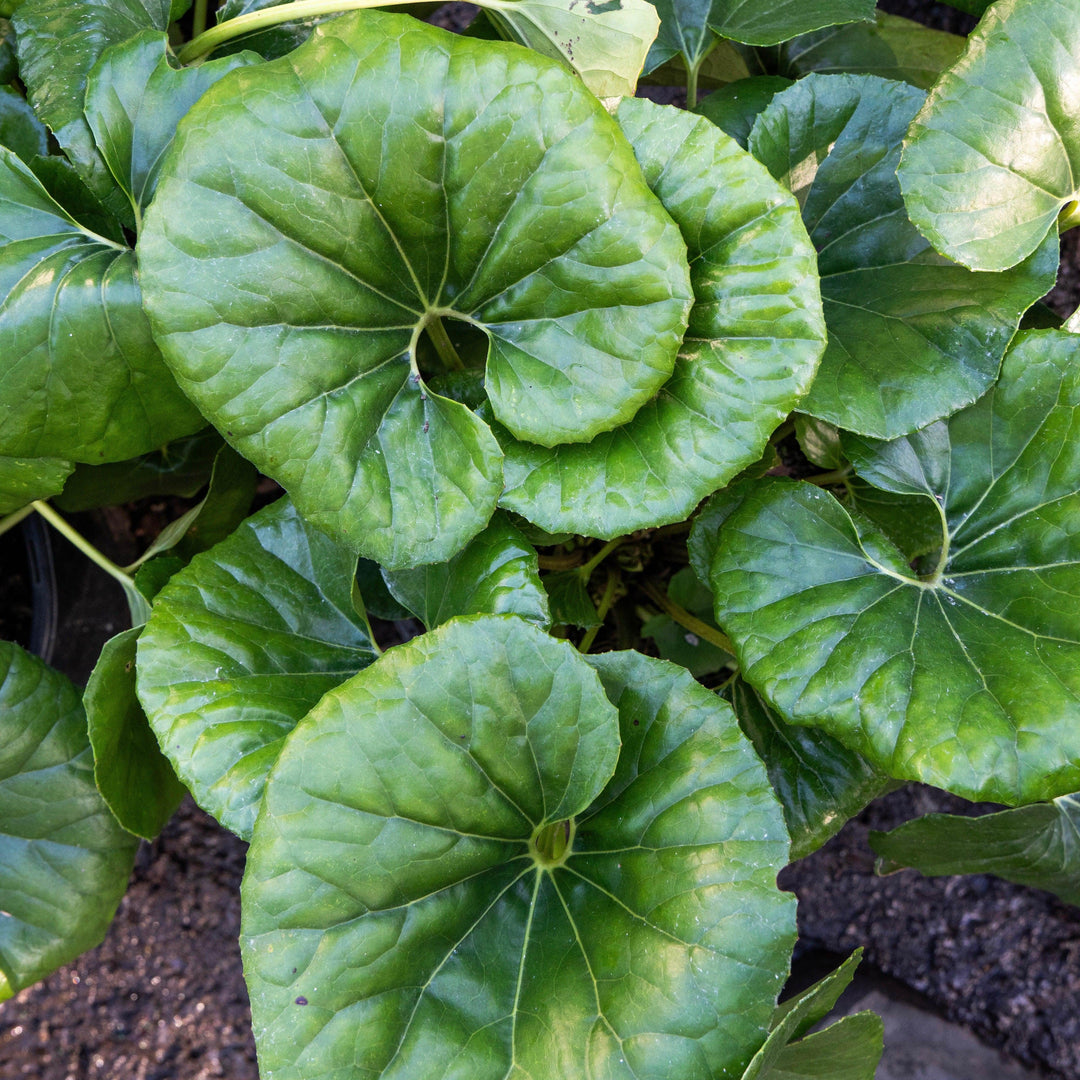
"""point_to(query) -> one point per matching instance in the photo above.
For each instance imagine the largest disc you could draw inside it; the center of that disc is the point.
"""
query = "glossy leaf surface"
(58, 43)
(967, 677)
(20, 130)
(912, 336)
(510, 200)
(820, 782)
(397, 922)
(132, 774)
(65, 861)
(891, 47)
(496, 574)
(134, 100)
(994, 155)
(22, 480)
(240, 645)
(1035, 845)
(82, 378)
(752, 347)
(735, 107)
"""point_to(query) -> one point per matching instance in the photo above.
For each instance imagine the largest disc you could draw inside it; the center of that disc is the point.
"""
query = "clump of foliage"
(706, 445)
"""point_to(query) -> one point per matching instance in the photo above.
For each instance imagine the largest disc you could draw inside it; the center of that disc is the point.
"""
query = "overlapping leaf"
(439, 177)
(912, 336)
(964, 672)
(819, 781)
(20, 129)
(496, 574)
(753, 344)
(64, 861)
(456, 868)
(240, 645)
(58, 43)
(22, 480)
(994, 155)
(1034, 845)
(82, 379)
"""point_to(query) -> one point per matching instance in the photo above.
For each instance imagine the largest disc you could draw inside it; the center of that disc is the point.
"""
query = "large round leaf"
(439, 177)
(456, 872)
(64, 861)
(994, 155)
(81, 378)
(756, 333)
(912, 335)
(239, 647)
(966, 675)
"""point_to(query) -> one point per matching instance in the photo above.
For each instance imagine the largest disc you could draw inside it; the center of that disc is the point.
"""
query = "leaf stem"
(198, 18)
(686, 620)
(443, 345)
(9, 522)
(1069, 217)
(84, 545)
(586, 569)
(836, 476)
(602, 610)
(206, 42)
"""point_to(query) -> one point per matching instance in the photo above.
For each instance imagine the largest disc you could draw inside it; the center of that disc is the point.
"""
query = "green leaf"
(64, 861)
(962, 674)
(180, 468)
(819, 441)
(511, 202)
(735, 107)
(705, 531)
(20, 130)
(850, 1049)
(135, 97)
(604, 41)
(753, 344)
(994, 155)
(1035, 845)
(377, 598)
(132, 774)
(58, 43)
(819, 782)
(240, 645)
(687, 28)
(676, 643)
(892, 48)
(912, 336)
(82, 380)
(9, 65)
(496, 574)
(455, 870)
(911, 522)
(22, 480)
(570, 603)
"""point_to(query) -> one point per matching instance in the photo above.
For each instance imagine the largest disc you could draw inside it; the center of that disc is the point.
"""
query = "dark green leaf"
(912, 336)
(239, 647)
(82, 377)
(994, 155)
(20, 129)
(155, 574)
(570, 603)
(226, 503)
(819, 441)
(62, 182)
(22, 480)
(964, 674)
(301, 345)
(59, 42)
(891, 47)
(377, 598)
(705, 531)
(271, 42)
(911, 522)
(1036, 845)
(9, 65)
(400, 919)
(131, 773)
(753, 344)
(135, 97)
(496, 574)
(64, 861)
(735, 107)
(850, 1049)
(181, 468)
(820, 783)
